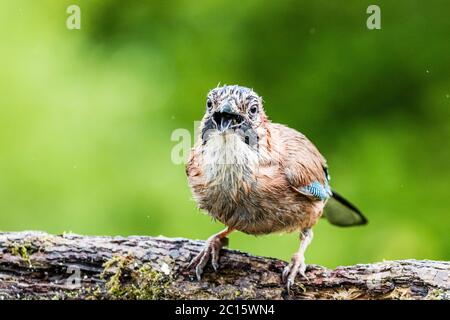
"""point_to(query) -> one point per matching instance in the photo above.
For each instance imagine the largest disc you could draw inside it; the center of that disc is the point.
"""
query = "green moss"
(126, 280)
(23, 250)
(114, 283)
(436, 294)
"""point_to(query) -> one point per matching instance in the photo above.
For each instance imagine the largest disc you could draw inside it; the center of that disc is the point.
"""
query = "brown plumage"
(255, 176)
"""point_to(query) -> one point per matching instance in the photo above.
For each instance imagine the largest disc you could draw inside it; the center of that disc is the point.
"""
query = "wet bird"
(259, 177)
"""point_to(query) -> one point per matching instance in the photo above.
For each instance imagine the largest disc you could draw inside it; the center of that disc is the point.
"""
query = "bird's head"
(234, 109)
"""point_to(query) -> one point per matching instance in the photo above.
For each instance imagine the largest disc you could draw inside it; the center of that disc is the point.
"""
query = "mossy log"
(37, 265)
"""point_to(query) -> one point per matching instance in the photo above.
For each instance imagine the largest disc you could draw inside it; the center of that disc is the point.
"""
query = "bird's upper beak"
(227, 117)
(226, 107)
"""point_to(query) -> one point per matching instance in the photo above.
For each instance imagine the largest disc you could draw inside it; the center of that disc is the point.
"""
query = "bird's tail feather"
(340, 212)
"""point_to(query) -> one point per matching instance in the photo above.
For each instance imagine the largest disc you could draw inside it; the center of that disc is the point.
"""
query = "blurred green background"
(86, 116)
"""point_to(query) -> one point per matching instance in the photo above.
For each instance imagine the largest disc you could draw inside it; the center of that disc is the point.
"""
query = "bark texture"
(37, 265)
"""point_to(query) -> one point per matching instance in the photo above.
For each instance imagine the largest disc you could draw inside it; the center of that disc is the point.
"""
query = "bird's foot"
(297, 265)
(210, 251)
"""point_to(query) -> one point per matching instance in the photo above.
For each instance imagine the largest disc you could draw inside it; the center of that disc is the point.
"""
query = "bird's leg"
(211, 250)
(297, 264)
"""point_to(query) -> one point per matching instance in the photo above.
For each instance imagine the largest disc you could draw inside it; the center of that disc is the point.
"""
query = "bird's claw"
(209, 252)
(296, 266)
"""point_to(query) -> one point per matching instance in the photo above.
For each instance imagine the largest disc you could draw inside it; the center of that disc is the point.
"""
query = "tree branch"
(36, 265)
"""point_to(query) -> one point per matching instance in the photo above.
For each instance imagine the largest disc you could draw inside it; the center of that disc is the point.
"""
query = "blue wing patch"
(317, 190)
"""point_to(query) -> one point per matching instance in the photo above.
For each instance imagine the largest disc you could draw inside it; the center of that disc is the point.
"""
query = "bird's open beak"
(227, 118)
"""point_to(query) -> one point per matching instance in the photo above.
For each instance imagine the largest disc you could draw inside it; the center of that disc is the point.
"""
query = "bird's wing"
(306, 170)
(303, 165)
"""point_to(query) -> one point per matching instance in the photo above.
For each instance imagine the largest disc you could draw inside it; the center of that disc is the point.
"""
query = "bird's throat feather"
(229, 162)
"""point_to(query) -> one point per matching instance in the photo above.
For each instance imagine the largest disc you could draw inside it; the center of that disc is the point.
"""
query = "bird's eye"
(253, 110)
(209, 104)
